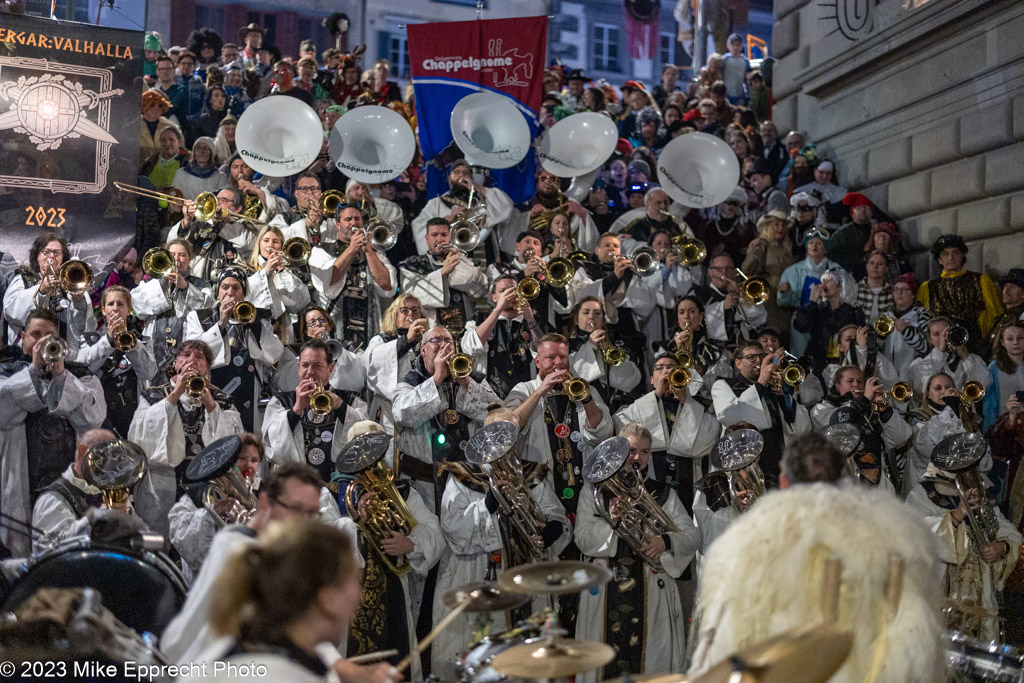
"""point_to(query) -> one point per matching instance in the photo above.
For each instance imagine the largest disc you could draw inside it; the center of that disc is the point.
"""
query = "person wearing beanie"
(201, 174)
(846, 246)
(151, 49)
(967, 297)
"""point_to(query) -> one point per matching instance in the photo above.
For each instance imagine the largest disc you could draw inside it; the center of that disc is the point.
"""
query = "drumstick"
(372, 656)
(329, 654)
(441, 625)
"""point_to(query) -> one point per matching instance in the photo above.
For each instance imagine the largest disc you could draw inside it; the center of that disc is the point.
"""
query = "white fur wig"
(764, 576)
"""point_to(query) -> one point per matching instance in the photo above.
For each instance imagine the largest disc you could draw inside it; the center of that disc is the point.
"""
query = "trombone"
(207, 209)
(158, 263)
(73, 277)
(296, 252)
(754, 290)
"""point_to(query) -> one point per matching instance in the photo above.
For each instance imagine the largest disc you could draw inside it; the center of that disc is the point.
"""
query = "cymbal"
(552, 658)
(554, 578)
(484, 596)
(809, 654)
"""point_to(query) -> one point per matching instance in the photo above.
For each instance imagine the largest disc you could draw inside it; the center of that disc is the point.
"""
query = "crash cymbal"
(554, 578)
(484, 596)
(650, 678)
(810, 654)
(552, 658)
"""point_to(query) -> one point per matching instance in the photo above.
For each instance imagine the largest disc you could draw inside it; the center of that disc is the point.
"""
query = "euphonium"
(329, 202)
(884, 325)
(755, 290)
(983, 522)
(576, 388)
(244, 312)
(296, 252)
(679, 378)
(196, 384)
(640, 515)
(517, 506)
(386, 512)
(527, 290)
(234, 487)
(320, 401)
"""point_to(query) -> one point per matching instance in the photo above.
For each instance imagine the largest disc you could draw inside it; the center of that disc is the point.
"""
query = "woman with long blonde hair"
(273, 285)
(389, 355)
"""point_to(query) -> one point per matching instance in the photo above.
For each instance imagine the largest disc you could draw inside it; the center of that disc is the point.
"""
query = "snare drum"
(144, 590)
(975, 661)
(474, 665)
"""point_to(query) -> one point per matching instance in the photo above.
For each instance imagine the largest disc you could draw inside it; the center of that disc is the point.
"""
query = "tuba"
(494, 445)
(490, 130)
(639, 514)
(113, 467)
(698, 170)
(386, 512)
(736, 454)
(279, 137)
(371, 144)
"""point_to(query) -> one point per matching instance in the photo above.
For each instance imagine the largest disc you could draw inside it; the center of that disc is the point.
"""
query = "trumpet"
(679, 378)
(901, 392)
(244, 312)
(692, 251)
(576, 388)
(196, 384)
(527, 290)
(972, 392)
(460, 365)
(958, 336)
(380, 234)
(884, 325)
(123, 340)
(54, 350)
(643, 261)
(320, 401)
(611, 354)
(158, 263)
(296, 252)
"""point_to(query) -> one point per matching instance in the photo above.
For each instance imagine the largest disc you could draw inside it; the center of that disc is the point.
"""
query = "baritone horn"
(232, 486)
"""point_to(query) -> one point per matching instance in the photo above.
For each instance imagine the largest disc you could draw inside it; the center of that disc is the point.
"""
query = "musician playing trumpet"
(682, 432)
(273, 285)
(390, 355)
(36, 284)
(172, 425)
(530, 262)
(218, 243)
(306, 220)
(44, 406)
(538, 213)
(956, 361)
(452, 205)
(124, 369)
(597, 355)
(297, 428)
(729, 318)
(639, 612)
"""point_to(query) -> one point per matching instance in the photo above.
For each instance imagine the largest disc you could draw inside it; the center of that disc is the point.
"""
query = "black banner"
(70, 107)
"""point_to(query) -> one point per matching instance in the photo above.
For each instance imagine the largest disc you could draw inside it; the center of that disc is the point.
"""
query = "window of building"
(395, 48)
(210, 16)
(70, 10)
(606, 47)
(666, 48)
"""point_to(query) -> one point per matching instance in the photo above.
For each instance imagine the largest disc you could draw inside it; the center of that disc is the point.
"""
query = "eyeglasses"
(440, 341)
(316, 322)
(165, 68)
(51, 252)
(298, 509)
(406, 310)
(307, 188)
(753, 356)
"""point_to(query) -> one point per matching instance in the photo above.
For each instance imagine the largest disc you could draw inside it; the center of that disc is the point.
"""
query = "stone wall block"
(958, 182)
(1004, 169)
(987, 128)
(937, 145)
(977, 220)
(920, 232)
(786, 35)
(889, 162)
(910, 195)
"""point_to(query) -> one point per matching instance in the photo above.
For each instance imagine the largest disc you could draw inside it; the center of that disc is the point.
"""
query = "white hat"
(804, 198)
(738, 195)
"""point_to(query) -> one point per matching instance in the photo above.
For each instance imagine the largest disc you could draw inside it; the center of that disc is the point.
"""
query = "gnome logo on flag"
(642, 18)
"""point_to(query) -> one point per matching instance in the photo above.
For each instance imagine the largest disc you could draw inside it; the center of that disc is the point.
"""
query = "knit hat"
(852, 199)
(151, 42)
(237, 273)
(911, 281)
(229, 119)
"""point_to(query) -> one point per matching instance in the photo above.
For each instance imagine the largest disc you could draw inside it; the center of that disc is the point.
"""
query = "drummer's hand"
(993, 552)
(654, 547)
(397, 545)
(381, 672)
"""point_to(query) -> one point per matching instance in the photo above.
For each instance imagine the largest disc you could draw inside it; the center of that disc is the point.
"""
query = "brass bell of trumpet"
(692, 251)
(884, 325)
(526, 290)
(644, 261)
(75, 277)
(330, 201)
(958, 335)
(244, 312)
(320, 401)
(679, 377)
(685, 359)
(123, 340)
(196, 384)
(972, 392)
(296, 252)
(158, 263)
(381, 235)
(460, 365)
(54, 350)
(465, 236)
(901, 392)
(755, 290)
(576, 388)
(560, 272)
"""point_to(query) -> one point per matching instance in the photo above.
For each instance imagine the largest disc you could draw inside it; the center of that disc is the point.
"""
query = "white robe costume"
(748, 407)
(499, 210)
(384, 369)
(635, 296)
(664, 647)
(141, 358)
(283, 444)
(927, 436)
(280, 293)
(53, 515)
(433, 289)
(321, 268)
(714, 318)
(588, 363)
(80, 401)
(191, 533)
(158, 430)
(694, 434)
(583, 232)
(149, 299)
(537, 447)
(473, 534)
(971, 369)
(20, 300)
(236, 234)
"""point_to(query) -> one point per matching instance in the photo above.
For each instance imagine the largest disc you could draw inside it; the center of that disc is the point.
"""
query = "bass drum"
(144, 590)
(974, 661)
(474, 665)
